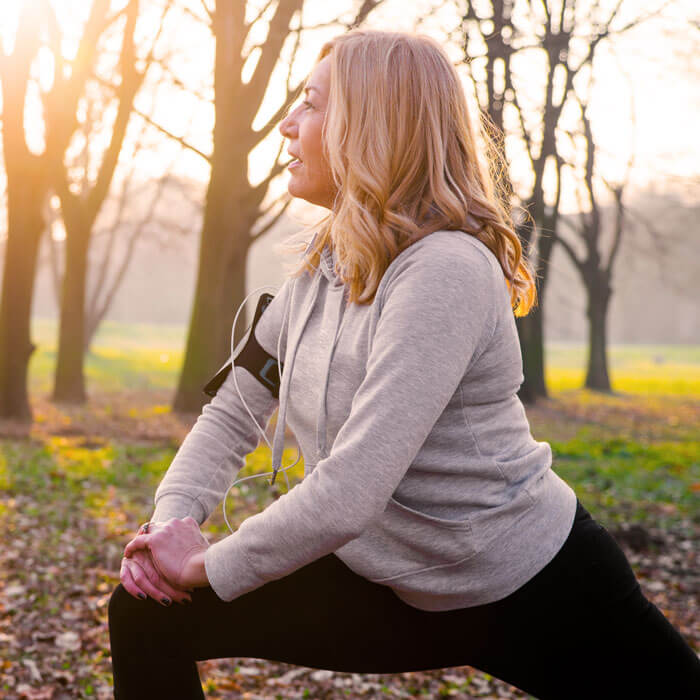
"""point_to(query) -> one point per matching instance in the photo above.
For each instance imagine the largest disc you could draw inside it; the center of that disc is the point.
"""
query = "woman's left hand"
(177, 549)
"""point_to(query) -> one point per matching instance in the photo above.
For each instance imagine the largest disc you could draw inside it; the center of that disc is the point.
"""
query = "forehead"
(319, 80)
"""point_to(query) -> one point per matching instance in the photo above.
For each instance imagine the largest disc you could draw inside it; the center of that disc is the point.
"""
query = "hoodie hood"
(327, 266)
(325, 271)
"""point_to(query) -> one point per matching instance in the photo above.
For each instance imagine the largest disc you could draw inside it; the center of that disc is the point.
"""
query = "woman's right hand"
(139, 575)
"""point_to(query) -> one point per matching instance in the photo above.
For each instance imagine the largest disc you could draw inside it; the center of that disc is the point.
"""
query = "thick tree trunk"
(532, 348)
(531, 327)
(597, 377)
(26, 193)
(69, 384)
(232, 204)
(25, 197)
(220, 286)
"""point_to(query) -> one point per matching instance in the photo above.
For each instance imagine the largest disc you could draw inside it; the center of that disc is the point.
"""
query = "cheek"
(314, 142)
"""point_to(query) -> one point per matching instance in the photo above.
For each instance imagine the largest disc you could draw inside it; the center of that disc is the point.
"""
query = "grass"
(633, 369)
(626, 478)
(638, 445)
(123, 356)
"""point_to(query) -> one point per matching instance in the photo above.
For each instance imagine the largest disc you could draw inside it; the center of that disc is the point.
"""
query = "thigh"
(582, 628)
(322, 615)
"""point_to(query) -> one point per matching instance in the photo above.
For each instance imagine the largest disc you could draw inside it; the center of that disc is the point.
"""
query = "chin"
(297, 189)
(302, 193)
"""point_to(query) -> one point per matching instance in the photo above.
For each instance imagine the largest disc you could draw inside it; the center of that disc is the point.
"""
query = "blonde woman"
(429, 530)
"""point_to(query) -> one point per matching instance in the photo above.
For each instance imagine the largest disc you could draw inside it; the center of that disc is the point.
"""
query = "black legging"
(581, 628)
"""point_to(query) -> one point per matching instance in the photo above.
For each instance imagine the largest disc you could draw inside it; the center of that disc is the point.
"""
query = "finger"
(144, 583)
(160, 583)
(139, 542)
(127, 580)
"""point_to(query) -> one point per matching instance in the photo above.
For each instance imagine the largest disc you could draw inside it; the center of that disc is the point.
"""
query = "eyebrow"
(311, 87)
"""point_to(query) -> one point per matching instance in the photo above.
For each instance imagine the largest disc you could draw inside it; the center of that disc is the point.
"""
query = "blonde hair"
(404, 156)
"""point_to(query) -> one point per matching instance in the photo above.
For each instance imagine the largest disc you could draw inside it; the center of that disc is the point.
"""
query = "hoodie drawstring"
(278, 440)
(326, 269)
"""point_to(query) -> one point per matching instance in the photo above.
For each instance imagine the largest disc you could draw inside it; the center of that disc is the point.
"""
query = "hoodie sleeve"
(214, 450)
(438, 309)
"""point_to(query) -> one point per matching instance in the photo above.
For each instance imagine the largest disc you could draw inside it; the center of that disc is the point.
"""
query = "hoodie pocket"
(409, 541)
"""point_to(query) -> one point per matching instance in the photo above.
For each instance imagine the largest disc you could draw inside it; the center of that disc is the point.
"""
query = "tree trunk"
(597, 372)
(532, 348)
(27, 188)
(25, 197)
(531, 327)
(220, 284)
(69, 384)
(231, 207)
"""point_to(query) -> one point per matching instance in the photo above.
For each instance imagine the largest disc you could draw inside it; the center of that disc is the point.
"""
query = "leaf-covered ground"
(76, 485)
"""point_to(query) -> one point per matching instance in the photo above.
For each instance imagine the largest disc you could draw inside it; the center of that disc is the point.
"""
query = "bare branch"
(169, 134)
(257, 17)
(569, 248)
(362, 14)
(177, 82)
(55, 38)
(260, 190)
(131, 81)
(147, 118)
(197, 17)
(526, 135)
(254, 90)
(287, 200)
(99, 313)
(274, 120)
(206, 9)
(638, 20)
(74, 87)
(619, 226)
(92, 315)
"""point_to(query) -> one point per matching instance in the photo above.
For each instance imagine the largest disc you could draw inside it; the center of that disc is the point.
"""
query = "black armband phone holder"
(260, 364)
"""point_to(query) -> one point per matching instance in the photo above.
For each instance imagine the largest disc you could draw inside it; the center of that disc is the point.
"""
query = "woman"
(430, 530)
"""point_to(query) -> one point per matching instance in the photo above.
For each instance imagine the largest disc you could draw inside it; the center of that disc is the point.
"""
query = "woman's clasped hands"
(167, 562)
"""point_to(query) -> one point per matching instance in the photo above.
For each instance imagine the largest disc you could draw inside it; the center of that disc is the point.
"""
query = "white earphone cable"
(235, 382)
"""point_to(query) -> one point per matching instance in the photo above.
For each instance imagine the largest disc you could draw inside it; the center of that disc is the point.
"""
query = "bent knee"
(121, 603)
(126, 608)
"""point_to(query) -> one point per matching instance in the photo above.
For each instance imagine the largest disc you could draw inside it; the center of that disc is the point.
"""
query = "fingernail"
(142, 596)
(165, 601)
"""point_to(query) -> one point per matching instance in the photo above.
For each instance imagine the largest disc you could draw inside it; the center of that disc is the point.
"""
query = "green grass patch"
(623, 471)
(134, 356)
(118, 480)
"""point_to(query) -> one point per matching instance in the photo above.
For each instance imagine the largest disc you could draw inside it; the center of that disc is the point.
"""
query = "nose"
(288, 125)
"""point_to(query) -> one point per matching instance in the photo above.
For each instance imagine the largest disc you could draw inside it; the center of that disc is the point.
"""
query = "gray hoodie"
(420, 470)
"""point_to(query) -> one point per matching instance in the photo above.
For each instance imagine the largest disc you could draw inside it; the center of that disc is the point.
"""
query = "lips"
(294, 164)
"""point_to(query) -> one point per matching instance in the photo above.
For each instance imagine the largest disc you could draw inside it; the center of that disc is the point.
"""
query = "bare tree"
(82, 202)
(235, 215)
(138, 213)
(565, 35)
(32, 177)
(595, 265)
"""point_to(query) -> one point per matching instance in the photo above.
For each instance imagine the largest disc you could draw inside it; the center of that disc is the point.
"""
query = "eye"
(307, 104)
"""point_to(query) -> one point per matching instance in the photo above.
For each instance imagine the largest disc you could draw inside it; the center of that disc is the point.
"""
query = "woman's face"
(311, 177)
